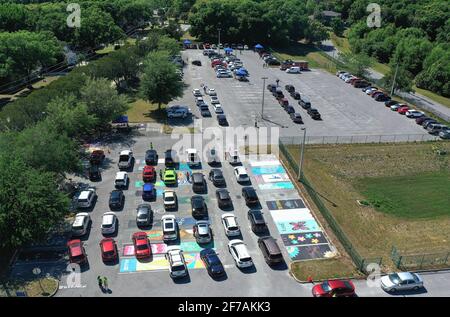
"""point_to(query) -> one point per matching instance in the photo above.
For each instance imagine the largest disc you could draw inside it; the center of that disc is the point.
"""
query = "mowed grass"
(142, 111)
(433, 96)
(324, 269)
(411, 176)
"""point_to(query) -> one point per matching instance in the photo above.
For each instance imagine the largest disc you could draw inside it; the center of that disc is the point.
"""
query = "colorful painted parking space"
(300, 233)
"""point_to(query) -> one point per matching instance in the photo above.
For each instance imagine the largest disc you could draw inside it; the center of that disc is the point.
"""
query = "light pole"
(302, 154)
(393, 82)
(264, 90)
(218, 44)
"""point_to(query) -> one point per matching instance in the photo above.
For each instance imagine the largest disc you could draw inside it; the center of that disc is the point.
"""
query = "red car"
(77, 254)
(334, 288)
(148, 174)
(108, 248)
(283, 102)
(141, 244)
(403, 110)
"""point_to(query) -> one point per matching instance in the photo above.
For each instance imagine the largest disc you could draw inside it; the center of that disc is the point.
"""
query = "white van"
(121, 180)
(293, 70)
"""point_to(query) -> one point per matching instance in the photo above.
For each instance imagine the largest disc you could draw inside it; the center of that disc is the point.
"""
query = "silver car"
(202, 232)
(401, 282)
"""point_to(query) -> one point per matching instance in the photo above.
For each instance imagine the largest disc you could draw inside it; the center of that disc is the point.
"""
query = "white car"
(224, 75)
(241, 174)
(239, 253)
(293, 70)
(109, 222)
(212, 92)
(169, 227)
(121, 180)
(217, 108)
(370, 90)
(170, 199)
(177, 264)
(199, 101)
(401, 281)
(340, 72)
(398, 106)
(348, 78)
(214, 100)
(414, 113)
(233, 157)
(86, 198)
(81, 224)
(197, 93)
(245, 47)
(344, 76)
(230, 225)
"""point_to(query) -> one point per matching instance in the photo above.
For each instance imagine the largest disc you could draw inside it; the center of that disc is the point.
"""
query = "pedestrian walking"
(188, 176)
(100, 283)
(160, 173)
(105, 283)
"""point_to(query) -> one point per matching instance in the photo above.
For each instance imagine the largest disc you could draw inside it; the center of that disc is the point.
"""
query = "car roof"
(339, 284)
(116, 193)
(107, 244)
(241, 249)
(148, 187)
(75, 247)
(125, 152)
(79, 218)
(108, 218)
(84, 194)
(169, 193)
(241, 169)
(223, 193)
(405, 276)
(120, 175)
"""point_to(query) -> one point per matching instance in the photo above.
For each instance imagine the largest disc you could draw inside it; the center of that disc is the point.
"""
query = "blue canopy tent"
(243, 70)
(228, 50)
(240, 73)
(259, 46)
(187, 42)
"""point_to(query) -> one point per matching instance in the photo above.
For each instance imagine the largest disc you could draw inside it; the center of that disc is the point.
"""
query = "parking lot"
(345, 110)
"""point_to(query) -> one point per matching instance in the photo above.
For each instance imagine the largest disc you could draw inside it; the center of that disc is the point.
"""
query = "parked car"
(202, 232)
(289, 109)
(403, 110)
(144, 215)
(169, 176)
(197, 62)
(148, 174)
(257, 222)
(116, 199)
(223, 198)
(270, 250)
(121, 180)
(389, 103)
(216, 176)
(126, 160)
(240, 254)
(80, 225)
(169, 227)
(398, 106)
(204, 110)
(444, 134)
(427, 122)
(218, 108)
(230, 225)
(296, 117)
(382, 97)
(212, 92)
(142, 248)
(151, 157)
(77, 253)
(198, 183)
(420, 120)
(109, 223)
(250, 196)
(96, 157)
(108, 250)
(222, 120)
(178, 113)
(293, 70)
(241, 174)
(334, 288)
(198, 207)
(177, 263)
(304, 103)
(212, 262)
(289, 88)
(170, 158)
(314, 113)
(414, 113)
(296, 95)
(86, 198)
(436, 128)
(94, 173)
(170, 199)
(401, 281)
(213, 157)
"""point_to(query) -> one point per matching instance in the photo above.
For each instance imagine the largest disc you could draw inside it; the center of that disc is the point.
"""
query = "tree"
(160, 82)
(411, 53)
(316, 32)
(403, 80)
(338, 26)
(436, 77)
(30, 202)
(103, 101)
(169, 45)
(14, 17)
(358, 64)
(23, 52)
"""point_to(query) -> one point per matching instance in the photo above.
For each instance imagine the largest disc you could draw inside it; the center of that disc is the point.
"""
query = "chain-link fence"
(361, 139)
(406, 261)
(360, 262)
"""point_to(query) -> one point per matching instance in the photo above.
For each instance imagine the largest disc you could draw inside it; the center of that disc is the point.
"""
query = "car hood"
(386, 281)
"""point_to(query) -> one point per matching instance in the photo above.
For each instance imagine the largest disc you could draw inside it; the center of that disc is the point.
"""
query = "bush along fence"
(360, 262)
(406, 261)
(361, 139)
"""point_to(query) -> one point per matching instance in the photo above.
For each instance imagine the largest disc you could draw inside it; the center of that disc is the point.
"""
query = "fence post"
(446, 258)
(421, 261)
(337, 139)
(379, 141)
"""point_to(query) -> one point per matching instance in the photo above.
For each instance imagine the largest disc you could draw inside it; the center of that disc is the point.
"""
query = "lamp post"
(218, 44)
(264, 90)
(302, 154)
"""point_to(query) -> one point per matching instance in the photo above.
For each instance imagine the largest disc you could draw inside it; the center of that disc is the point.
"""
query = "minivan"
(270, 250)
(435, 128)
(170, 158)
(198, 183)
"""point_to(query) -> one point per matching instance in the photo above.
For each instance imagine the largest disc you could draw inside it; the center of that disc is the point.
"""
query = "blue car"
(212, 262)
(148, 192)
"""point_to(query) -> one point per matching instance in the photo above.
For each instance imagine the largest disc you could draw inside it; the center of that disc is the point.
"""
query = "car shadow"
(249, 270)
(221, 278)
(282, 266)
(183, 280)
(421, 290)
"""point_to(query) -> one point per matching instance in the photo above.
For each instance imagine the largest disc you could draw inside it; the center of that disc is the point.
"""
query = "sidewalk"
(417, 99)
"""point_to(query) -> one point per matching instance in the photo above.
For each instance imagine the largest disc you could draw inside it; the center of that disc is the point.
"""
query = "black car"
(94, 173)
(250, 196)
(296, 95)
(212, 262)
(304, 103)
(151, 157)
(289, 88)
(273, 61)
(222, 119)
(422, 119)
(296, 117)
(144, 215)
(197, 63)
(271, 87)
(426, 123)
(170, 158)
(389, 103)
(314, 113)
(382, 97)
(116, 199)
(257, 222)
(216, 176)
(199, 208)
(289, 109)
(223, 198)
(204, 110)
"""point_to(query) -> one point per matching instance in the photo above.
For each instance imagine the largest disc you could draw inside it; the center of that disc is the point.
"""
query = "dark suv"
(304, 103)
(198, 183)
(223, 198)
(250, 196)
(116, 199)
(314, 113)
(170, 158)
(216, 176)
(94, 173)
(257, 222)
(199, 208)
(289, 88)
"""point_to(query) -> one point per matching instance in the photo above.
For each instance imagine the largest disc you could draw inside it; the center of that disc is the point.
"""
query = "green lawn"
(435, 97)
(420, 196)
(324, 269)
(141, 111)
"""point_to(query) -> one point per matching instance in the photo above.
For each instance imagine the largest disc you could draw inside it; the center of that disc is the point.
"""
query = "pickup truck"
(125, 160)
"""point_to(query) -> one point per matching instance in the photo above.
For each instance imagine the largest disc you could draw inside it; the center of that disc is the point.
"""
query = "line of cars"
(215, 102)
(430, 124)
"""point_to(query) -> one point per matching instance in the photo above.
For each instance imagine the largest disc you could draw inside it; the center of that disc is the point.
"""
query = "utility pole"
(264, 90)
(302, 154)
(393, 82)
(218, 44)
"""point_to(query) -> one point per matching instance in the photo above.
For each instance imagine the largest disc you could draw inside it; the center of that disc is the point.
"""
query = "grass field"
(324, 269)
(435, 97)
(409, 184)
(141, 111)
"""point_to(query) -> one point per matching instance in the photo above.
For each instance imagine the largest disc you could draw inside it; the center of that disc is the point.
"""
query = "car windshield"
(142, 216)
(142, 247)
(108, 253)
(170, 198)
(169, 226)
(394, 278)
(178, 268)
(326, 287)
